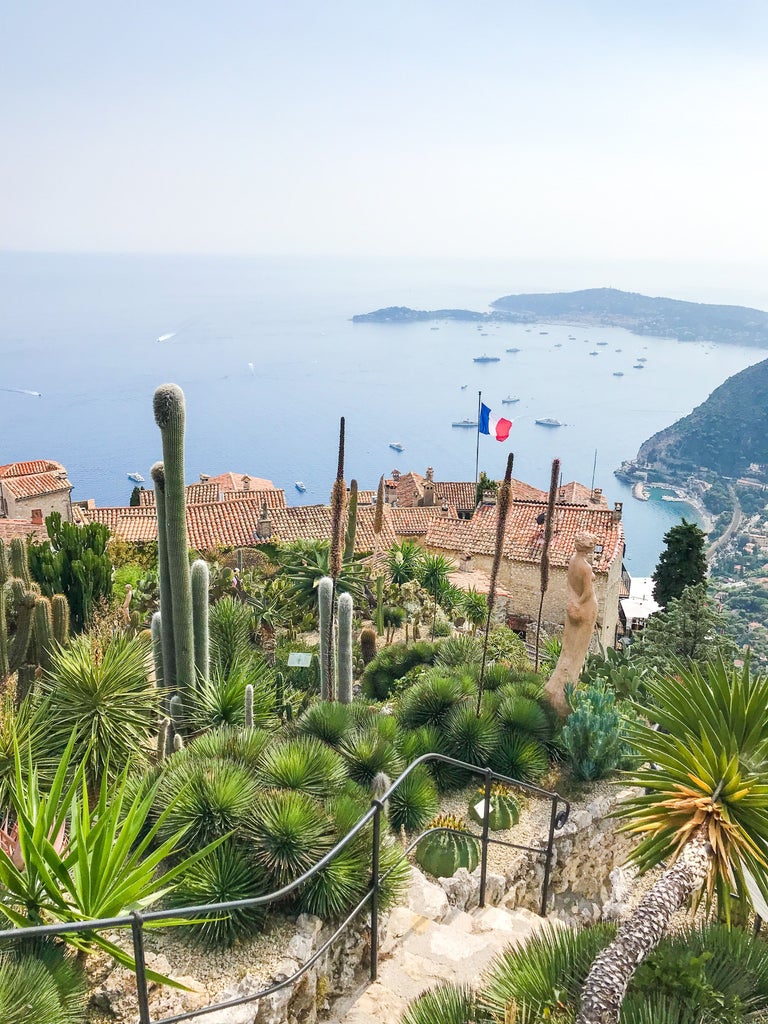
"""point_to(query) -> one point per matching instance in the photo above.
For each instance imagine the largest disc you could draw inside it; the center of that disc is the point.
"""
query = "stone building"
(32, 490)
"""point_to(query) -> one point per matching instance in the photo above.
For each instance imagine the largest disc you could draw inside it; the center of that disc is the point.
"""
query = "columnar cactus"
(60, 610)
(349, 544)
(344, 660)
(249, 706)
(176, 716)
(156, 631)
(168, 672)
(13, 650)
(20, 562)
(324, 608)
(43, 633)
(170, 415)
(200, 582)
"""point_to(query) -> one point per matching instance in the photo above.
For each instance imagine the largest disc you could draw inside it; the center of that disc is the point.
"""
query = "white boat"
(137, 477)
(509, 400)
(396, 446)
(464, 423)
(486, 359)
(300, 486)
(549, 422)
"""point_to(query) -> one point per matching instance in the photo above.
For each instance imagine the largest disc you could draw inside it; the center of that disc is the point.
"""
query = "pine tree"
(682, 563)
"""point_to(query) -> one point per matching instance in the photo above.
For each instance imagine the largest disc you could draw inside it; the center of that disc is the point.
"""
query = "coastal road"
(732, 527)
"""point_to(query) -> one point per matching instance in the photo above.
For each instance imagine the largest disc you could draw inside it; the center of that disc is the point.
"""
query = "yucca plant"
(47, 987)
(459, 651)
(429, 702)
(414, 802)
(239, 745)
(369, 752)
(525, 715)
(447, 1003)
(471, 737)
(289, 832)
(305, 764)
(520, 757)
(226, 874)
(497, 674)
(702, 809)
(104, 697)
(207, 798)
(220, 699)
(231, 626)
(327, 721)
(430, 739)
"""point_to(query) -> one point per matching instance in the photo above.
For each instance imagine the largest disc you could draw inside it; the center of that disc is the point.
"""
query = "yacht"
(486, 359)
(136, 477)
(548, 422)
(509, 400)
(464, 423)
(300, 486)
(396, 446)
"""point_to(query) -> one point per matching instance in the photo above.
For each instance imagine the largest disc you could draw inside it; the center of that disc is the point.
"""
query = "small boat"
(434, 328)
(639, 366)
(559, 345)
(300, 486)
(514, 350)
(601, 342)
(543, 332)
(642, 359)
(464, 423)
(486, 359)
(594, 353)
(136, 477)
(483, 334)
(617, 350)
(547, 422)
(463, 387)
(509, 400)
(618, 373)
(571, 337)
(396, 446)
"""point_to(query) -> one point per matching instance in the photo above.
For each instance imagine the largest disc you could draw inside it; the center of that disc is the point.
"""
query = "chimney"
(204, 478)
(617, 507)
(429, 491)
(395, 475)
(246, 483)
(597, 495)
(444, 508)
(37, 517)
(264, 529)
(489, 497)
(430, 474)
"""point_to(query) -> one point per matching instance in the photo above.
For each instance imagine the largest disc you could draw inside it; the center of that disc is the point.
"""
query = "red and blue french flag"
(498, 428)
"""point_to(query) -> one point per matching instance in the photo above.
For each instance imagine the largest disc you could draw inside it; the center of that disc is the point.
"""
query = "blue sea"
(269, 359)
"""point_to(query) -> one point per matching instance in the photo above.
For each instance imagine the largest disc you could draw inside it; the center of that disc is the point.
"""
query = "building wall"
(58, 501)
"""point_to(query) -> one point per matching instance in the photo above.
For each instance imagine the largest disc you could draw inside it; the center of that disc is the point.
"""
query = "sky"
(542, 130)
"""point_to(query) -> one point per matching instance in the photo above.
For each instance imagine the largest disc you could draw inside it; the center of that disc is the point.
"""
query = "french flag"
(498, 428)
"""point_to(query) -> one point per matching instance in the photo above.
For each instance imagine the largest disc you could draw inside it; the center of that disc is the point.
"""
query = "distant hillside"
(724, 434)
(641, 314)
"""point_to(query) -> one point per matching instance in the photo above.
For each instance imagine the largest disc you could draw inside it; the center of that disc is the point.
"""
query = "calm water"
(82, 330)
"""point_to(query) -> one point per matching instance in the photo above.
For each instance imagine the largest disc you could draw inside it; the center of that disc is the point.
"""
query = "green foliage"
(446, 1002)
(231, 625)
(288, 834)
(459, 651)
(484, 484)
(524, 714)
(220, 699)
(618, 671)
(471, 737)
(368, 645)
(305, 764)
(75, 563)
(505, 645)
(304, 563)
(414, 803)
(328, 722)
(520, 757)
(404, 562)
(105, 699)
(474, 605)
(241, 746)
(430, 701)
(47, 987)
(369, 752)
(443, 853)
(594, 733)
(682, 562)
(709, 762)
(391, 664)
(224, 875)
(690, 628)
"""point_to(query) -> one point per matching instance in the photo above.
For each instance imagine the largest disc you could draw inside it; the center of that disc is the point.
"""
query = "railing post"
(375, 890)
(548, 860)
(484, 849)
(141, 967)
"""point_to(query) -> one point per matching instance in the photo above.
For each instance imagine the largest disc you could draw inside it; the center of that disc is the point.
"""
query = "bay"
(269, 359)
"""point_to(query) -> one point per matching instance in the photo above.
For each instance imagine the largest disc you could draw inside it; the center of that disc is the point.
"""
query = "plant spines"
(344, 660)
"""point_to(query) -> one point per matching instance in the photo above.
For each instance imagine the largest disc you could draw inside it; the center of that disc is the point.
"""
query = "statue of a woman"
(580, 618)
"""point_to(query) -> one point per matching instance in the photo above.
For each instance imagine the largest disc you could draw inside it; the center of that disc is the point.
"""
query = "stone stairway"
(427, 942)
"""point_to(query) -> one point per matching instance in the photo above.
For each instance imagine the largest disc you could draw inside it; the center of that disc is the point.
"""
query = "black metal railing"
(137, 920)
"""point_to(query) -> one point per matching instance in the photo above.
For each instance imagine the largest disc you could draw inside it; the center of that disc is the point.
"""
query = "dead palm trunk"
(502, 508)
(553, 482)
(606, 984)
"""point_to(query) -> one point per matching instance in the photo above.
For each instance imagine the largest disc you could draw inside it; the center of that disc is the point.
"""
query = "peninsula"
(606, 307)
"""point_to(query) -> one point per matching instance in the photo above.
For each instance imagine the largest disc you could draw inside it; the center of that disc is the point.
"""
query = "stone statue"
(580, 618)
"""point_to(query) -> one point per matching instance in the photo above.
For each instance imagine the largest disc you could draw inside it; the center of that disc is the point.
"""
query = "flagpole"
(477, 450)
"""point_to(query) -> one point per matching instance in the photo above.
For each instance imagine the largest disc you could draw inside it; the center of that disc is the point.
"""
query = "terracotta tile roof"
(136, 524)
(203, 494)
(313, 522)
(234, 482)
(366, 497)
(407, 489)
(459, 493)
(579, 494)
(524, 536)
(413, 522)
(195, 494)
(274, 497)
(31, 479)
(10, 528)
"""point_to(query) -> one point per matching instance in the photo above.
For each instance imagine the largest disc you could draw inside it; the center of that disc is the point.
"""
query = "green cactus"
(349, 543)
(368, 644)
(156, 630)
(13, 647)
(17, 650)
(162, 737)
(324, 606)
(25, 680)
(20, 562)
(249, 706)
(168, 672)
(380, 605)
(178, 742)
(60, 611)
(176, 719)
(43, 633)
(504, 808)
(200, 583)
(170, 416)
(443, 853)
(344, 658)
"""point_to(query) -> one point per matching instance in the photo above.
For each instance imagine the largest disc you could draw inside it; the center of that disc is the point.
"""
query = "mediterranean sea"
(269, 359)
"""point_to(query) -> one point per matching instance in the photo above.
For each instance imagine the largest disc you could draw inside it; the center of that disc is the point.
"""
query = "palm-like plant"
(220, 699)
(231, 624)
(434, 572)
(304, 764)
(105, 698)
(305, 563)
(702, 808)
(289, 834)
(47, 987)
(474, 605)
(404, 562)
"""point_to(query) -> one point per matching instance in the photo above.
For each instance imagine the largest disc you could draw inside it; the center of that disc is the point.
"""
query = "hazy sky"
(547, 129)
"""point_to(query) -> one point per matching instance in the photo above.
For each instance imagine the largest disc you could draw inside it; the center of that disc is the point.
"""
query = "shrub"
(368, 753)
(305, 764)
(241, 746)
(593, 736)
(520, 757)
(46, 988)
(505, 645)
(230, 625)
(327, 721)
(290, 833)
(391, 664)
(429, 739)
(414, 802)
(471, 737)
(525, 715)
(429, 702)
(459, 651)
(220, 699)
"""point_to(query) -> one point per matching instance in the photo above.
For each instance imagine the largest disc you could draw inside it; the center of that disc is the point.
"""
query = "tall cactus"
(60, 610)
(156, 632)
(325, 607)
(168, 671)
(349, 543)
(344, 661)
(200, 581)
(20, 562)
(13, 649)
(43, 632)
(170, 416)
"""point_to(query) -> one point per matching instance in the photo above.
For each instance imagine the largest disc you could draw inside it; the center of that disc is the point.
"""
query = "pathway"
(427, 942)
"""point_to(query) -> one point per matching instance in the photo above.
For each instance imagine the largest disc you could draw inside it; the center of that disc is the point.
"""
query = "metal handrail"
(137, 920)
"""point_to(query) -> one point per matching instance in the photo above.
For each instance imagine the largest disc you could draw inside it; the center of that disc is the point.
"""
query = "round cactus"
(504, 808)
(443, 853)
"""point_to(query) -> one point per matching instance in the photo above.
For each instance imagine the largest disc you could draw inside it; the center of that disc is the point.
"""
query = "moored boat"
(300, 486)
(549, 422)
(396, 446)
(486, 359)
(137, 477)
(509, 400)
(464, 423)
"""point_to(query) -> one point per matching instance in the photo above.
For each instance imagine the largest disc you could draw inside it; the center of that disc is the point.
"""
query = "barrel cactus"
(504, 808)
(368, 644)
(443, 853)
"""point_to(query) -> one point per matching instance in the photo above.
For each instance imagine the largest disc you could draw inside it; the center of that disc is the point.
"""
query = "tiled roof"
(407, 522)
(459, 493)
(366, 497)
(32, 479)
(234, 482)
(203, 494)
(236, 524)
(407, 490)
(579, 494)
(273, 497)
(195, 494)
(10, 528)
(524, 536)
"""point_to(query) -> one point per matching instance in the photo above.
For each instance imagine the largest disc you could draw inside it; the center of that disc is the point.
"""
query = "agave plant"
(327, 721)
(305, 764)
(231, 625)
(290, 832)
(459, 651)
(702, 809)
(414, 802)
(430, 701)
(105, 698)
(447, 1003)
(220, 699)
(369, 752)
(47, 987)
(241, 746)
(520, 757)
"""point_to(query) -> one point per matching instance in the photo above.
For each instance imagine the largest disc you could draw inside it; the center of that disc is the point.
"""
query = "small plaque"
(480, 809)
(296, 659)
